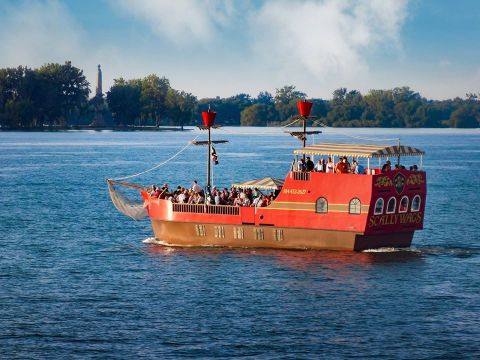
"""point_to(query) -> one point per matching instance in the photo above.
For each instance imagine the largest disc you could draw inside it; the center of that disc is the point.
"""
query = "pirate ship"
(313, 210)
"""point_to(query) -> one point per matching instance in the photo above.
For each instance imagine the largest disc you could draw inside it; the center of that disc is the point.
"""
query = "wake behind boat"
(334, 205)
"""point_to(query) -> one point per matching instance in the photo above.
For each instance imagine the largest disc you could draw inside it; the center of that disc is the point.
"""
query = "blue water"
(77, 281)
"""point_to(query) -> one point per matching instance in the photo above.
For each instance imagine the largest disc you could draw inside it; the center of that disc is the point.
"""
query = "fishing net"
(133, 208)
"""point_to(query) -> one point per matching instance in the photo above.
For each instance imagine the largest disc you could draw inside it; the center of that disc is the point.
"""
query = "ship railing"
(223, 209)
(301, 175)
(206, 209)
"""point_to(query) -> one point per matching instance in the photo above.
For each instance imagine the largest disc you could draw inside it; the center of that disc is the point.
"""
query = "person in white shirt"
(196, 188)
(330, 166)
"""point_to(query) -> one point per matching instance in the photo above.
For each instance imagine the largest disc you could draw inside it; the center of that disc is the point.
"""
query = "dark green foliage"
(258, 115)
(57, 95)
(124, 101)
(48, 96)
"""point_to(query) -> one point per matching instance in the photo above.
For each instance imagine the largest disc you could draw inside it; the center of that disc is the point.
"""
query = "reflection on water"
(305, 260)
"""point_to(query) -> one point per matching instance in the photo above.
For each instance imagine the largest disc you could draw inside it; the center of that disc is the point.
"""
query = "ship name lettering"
(394, 219)
(295, 191)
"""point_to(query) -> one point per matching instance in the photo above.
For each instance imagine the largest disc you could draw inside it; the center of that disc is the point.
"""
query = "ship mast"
(304, 109)
(208, 118)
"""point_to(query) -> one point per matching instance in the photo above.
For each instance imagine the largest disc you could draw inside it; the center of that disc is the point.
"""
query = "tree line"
(57, 96)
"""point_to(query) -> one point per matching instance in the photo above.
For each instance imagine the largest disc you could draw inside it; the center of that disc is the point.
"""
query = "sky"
(226, 47)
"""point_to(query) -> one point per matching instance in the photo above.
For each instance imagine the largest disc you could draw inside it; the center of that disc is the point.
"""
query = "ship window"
(416, 203)
(403, 205)
(200, 230)
(258, 233)
(219, 232)
(355, 206)
(321, 206)
(378, 206)
(278, 234)
(238, 233)
(392, 204)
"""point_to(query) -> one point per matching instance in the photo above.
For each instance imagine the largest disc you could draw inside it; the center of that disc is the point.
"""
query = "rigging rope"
(134, 208)
(279, 127)
(161, 164)
(352, 136)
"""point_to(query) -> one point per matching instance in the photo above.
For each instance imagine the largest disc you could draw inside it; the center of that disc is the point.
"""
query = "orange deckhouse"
(312, 210)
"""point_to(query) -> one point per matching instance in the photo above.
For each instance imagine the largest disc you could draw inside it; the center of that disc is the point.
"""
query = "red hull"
(353, 219)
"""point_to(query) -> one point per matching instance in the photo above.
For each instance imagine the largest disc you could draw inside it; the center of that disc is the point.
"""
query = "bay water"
(78, 281)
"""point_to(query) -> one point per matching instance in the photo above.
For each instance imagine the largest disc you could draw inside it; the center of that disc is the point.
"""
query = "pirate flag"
(214, 156)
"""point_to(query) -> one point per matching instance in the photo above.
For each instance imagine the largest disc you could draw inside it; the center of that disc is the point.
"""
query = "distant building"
(99, 82)
(98, 120)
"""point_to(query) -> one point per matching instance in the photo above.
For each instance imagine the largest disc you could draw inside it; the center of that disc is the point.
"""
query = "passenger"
(357, 168)
(200, 197)
(256, 201)
(330, 167)
(164, 193)
(309, 165)
(216, 196)
(387, 167)
(264, 201)
(348, 164)
(196, 188)
(181, 198)
(157, 193)
(237, 201)
(415, 168)
(153, 190)
(301, 166)
(342, 166)
(321, 166)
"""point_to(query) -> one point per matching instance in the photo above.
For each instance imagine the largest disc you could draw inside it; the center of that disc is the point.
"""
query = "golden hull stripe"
(294, 206)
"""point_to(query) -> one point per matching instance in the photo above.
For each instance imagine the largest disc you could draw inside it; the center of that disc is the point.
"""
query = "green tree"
(467, 116)
(264, 97)
(152, 98)
(258, 115)
(286, 101)
(181, 107)
(123, 100)
(63, 92)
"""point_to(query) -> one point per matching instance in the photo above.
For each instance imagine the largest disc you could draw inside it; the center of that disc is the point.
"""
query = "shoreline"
(98, 128)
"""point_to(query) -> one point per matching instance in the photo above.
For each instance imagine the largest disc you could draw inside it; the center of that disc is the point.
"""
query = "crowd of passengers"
(343, 166)
(196, 195)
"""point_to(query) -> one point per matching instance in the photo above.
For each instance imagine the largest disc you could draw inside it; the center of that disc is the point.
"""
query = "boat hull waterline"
(185, 234)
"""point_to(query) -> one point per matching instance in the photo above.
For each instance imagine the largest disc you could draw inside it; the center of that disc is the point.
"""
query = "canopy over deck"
(205, 142)
(267, 183)
(358, 150)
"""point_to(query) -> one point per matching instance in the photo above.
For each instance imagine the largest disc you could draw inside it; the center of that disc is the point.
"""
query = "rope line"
(161, 164)
(277, 127)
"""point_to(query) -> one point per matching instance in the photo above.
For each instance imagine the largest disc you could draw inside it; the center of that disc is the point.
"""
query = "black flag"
(214, 156)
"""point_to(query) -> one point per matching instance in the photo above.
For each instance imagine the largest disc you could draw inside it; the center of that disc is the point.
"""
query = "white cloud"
(257, 45)
(326, 39)
(39, 32)
(180, 21)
